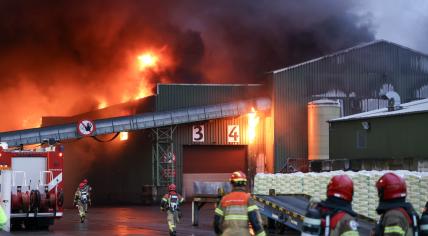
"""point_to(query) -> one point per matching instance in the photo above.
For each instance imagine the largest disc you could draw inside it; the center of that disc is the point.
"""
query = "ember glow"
(253, 121)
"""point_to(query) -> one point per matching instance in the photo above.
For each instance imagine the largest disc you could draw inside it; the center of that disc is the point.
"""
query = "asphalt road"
(129, 220)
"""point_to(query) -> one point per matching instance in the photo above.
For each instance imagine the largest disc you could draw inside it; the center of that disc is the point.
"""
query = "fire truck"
(31, 186)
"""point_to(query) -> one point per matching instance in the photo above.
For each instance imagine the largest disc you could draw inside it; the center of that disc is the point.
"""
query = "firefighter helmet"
(341, 186)
(172, 187)
(391, 186)
(85, 181)
(238, 178)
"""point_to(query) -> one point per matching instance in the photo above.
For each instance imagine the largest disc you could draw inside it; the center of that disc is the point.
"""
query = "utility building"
(387, 138)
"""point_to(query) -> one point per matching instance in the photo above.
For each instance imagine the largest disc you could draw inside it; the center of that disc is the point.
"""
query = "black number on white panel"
(198, 133)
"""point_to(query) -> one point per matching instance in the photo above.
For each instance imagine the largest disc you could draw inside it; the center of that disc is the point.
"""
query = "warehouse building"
(354, 79)
(387, 138)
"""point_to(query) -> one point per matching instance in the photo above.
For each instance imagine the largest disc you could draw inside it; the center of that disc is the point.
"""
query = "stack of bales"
(262, 183)
(365, 198)
(413, 189)
(373, 196)
(423, 190)
(360, 202)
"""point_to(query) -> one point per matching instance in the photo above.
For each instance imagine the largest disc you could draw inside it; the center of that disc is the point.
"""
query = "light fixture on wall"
(366, 125)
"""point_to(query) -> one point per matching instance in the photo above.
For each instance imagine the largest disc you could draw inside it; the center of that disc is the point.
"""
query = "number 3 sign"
(198, 133)
(233, 133)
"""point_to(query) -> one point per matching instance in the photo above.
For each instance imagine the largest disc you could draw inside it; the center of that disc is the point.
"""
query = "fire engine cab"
(31, 186)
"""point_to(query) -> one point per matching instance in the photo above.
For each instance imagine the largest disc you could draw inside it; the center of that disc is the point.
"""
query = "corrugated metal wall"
(174, 96)
(171, 96)
(216, 134)
(355, 77)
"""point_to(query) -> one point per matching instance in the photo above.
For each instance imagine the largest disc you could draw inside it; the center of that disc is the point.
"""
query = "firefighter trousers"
(172, 218)
(82, 209)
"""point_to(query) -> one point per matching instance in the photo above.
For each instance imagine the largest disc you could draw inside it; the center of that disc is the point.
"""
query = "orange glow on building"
(123, 136)
(253, 121)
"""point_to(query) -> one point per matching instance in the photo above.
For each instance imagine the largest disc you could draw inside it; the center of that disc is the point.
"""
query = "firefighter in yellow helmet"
(236, 210)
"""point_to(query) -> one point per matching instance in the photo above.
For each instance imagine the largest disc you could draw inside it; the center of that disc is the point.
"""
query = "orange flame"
(123, 136)
(147, 60)
(102, 104)
(253, 121)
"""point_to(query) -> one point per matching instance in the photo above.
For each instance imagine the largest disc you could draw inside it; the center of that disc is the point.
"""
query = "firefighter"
(236, 210)
(81, 200)
(423, 223)
(88, 190)
(3, 217)
(171, 203)
(397, 217)
(334, 216)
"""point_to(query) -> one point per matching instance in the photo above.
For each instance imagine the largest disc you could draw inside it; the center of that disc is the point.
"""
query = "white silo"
(319, 112)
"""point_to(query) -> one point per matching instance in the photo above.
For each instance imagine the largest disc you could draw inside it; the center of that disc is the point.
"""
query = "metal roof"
(346, 51)
(419, 106)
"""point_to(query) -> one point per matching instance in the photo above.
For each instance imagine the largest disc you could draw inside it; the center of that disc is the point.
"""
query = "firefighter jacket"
(338, 218)
(398, 218)
(3, 218)
(171, 201)
(234, 212)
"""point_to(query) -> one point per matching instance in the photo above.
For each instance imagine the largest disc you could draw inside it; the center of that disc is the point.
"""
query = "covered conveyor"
(290, 210)
(135, 122)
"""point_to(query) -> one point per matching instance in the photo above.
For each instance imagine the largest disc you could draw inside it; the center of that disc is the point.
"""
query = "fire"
(147, 60)
(253, 121)
(123, 136)
(102, 104)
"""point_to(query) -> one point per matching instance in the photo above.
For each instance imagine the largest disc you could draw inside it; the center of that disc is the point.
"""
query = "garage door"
(211, 164)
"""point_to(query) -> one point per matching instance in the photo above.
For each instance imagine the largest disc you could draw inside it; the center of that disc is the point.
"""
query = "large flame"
(147, 60)
(253, 121)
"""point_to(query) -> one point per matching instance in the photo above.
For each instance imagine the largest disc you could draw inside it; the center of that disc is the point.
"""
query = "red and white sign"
(86, 127)
(233, 133)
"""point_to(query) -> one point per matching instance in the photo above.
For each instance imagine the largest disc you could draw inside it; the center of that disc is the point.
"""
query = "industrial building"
(356, 77)
(397, 134)
(352, 81)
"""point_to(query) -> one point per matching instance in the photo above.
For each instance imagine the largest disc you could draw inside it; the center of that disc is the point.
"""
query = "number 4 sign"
(233, 133)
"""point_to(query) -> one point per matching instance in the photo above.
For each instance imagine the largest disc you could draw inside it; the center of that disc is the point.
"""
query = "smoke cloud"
(66, 57)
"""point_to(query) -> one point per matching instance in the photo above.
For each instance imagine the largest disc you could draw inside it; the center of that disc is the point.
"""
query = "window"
(361, 139)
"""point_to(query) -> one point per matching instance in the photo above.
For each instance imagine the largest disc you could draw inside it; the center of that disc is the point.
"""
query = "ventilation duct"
(394, 101)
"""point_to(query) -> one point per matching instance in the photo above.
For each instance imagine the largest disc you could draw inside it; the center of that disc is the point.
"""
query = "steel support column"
(163, 156)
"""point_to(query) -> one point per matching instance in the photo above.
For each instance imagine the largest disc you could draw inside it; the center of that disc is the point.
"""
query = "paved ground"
(130, 220)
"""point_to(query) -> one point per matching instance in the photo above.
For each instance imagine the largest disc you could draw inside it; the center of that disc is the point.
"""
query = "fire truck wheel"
(34, 200)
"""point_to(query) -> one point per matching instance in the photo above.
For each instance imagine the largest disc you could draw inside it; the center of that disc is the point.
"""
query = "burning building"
(174, 147)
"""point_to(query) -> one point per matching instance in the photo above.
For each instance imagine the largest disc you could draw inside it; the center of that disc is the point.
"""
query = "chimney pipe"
(394, 100)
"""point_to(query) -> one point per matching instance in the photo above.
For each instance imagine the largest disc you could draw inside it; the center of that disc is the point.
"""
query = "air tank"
(319, 112)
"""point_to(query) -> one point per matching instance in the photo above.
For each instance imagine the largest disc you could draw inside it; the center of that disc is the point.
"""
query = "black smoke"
(65, 54)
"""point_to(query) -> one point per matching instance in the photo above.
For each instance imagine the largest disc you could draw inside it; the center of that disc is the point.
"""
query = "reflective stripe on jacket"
(234, 212)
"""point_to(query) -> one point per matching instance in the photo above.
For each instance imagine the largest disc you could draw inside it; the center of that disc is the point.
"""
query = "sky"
(401, 21)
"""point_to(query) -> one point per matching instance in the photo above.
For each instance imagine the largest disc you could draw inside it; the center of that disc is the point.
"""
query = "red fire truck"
(31, 186)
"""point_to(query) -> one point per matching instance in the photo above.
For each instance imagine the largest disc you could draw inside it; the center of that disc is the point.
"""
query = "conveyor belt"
(290, 211)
